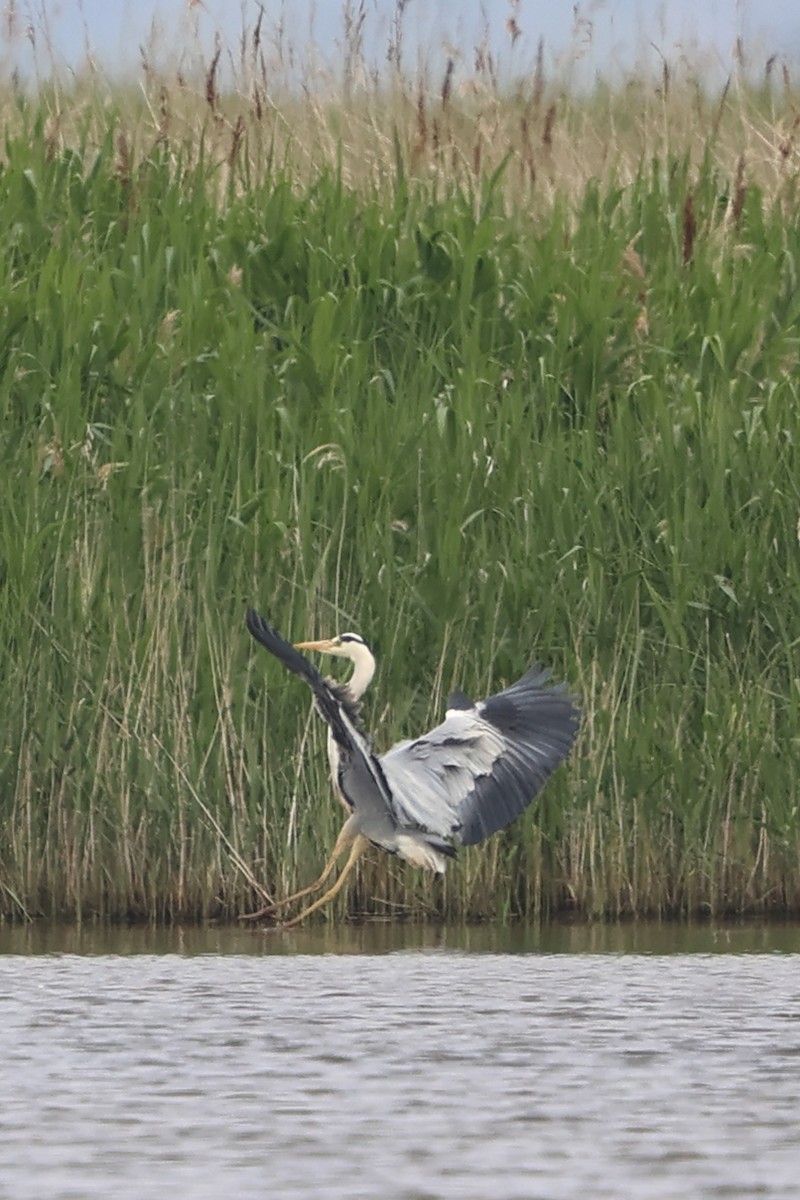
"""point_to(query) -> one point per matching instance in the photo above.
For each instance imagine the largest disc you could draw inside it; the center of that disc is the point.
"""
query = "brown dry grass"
(251, 106)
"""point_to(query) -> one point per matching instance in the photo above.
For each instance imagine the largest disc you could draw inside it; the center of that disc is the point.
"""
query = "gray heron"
(455, 786)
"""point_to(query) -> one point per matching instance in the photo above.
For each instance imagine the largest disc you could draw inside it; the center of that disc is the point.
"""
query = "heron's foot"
(271, 909)
(347, 837)
(360, 844)
(280, 926)
(266, 911)
(264, 914)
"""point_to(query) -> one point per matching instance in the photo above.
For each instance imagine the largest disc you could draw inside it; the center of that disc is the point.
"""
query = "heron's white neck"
(363, 669)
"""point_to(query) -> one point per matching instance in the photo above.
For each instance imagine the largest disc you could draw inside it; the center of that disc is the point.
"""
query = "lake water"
(413, 1063)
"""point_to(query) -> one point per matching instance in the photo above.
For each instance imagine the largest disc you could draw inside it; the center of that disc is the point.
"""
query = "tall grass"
(484, 376)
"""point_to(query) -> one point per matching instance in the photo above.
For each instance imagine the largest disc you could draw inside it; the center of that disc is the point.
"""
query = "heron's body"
(456, 785)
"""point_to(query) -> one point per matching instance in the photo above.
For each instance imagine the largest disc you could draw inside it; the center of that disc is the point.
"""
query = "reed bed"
(486, 372)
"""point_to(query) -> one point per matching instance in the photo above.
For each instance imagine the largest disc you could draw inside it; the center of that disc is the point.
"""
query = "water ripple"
(407, 1076)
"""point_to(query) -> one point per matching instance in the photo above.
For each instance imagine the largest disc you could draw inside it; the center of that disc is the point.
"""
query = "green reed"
(478, 424)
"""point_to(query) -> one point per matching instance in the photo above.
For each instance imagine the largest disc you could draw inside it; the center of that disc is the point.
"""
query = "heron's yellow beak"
(326, 646)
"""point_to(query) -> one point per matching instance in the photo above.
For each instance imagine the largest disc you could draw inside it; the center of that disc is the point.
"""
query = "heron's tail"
(423, 850)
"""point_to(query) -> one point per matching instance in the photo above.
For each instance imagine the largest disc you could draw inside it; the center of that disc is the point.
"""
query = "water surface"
(384, 937)
(415, 1073)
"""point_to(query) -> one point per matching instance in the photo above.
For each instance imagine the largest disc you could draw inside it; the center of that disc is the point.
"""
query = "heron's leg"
(360, 844)
(344, 841)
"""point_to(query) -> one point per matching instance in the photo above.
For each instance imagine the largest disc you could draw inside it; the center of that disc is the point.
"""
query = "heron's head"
(347, 645)
(344, 645)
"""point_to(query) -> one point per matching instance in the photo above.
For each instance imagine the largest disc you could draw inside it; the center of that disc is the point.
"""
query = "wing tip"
(257, 625)
(267, 636)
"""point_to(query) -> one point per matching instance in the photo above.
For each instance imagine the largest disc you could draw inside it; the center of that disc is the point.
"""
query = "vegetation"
(485, 374)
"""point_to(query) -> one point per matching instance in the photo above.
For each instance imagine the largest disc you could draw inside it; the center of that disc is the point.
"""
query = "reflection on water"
(414, 1075)
(378, 937)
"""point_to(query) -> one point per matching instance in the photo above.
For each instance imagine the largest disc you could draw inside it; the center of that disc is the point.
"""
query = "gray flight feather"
(480, 768)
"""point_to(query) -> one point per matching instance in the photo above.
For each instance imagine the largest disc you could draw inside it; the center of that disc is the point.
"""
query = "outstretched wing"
(332, 701)
(360, 776)
(480, 768)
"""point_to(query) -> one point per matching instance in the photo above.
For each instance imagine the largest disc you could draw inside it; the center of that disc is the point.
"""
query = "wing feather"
(478, 770)
(366, 786)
